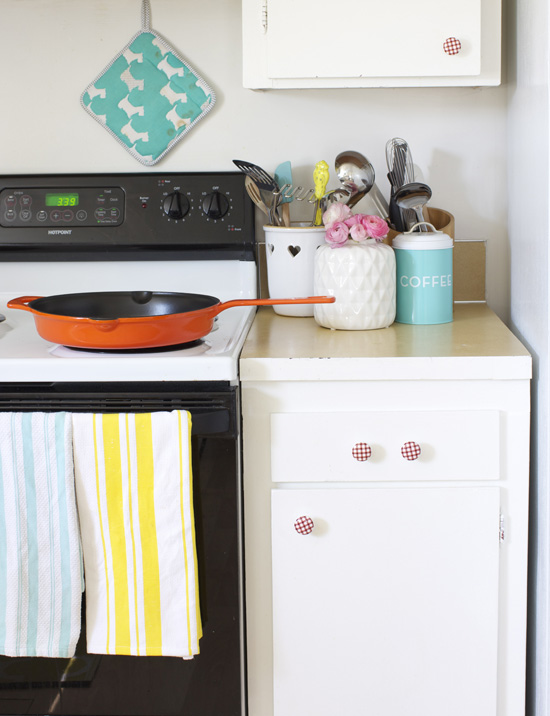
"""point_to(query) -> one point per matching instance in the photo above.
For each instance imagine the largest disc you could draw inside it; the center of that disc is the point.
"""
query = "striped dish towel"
(134, 495)
(40, 557)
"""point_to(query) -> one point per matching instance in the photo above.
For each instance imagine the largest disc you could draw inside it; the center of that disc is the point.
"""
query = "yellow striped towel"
(135, 502)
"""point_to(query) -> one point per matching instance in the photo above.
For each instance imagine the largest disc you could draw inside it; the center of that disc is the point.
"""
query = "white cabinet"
(403, 591)
(389, 605)
(367, 43)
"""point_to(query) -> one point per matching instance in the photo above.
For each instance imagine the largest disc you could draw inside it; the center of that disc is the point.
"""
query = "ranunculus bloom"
(376, 227)
(336, 212)
(358, 232)
(354, 219)
(337, 234)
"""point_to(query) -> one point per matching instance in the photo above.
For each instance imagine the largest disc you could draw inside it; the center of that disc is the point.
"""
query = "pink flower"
(336, 212)
(358, 232)
(337, 234)
(354, 219)
(376, 227)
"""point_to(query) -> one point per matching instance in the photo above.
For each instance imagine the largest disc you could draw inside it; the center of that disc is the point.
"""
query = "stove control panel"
(178, 211)
(61, 206)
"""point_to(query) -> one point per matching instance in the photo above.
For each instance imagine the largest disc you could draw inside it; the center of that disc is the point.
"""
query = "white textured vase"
(361, 276)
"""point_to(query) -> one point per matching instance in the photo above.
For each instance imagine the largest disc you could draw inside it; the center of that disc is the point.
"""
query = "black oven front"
(211, 684)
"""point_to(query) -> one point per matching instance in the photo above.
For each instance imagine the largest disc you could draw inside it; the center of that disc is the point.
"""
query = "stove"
(185, 233)
(191, 233)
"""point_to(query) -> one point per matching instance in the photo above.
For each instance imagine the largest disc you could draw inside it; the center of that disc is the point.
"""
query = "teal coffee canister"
(424, 266)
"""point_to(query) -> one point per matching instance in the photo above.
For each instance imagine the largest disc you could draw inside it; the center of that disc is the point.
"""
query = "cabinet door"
(390, 605)
(392, 38)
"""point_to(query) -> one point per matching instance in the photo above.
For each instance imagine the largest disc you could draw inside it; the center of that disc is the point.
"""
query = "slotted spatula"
(264, 182)
(260, 176)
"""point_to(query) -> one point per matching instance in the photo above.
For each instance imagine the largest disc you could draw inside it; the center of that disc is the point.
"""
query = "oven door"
(211, 684)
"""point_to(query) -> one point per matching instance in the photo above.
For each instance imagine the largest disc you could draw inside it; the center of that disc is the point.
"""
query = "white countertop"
(476, 345)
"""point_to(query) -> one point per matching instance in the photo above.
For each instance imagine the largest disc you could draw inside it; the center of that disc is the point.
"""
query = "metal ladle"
(357, 175)
(414, 196)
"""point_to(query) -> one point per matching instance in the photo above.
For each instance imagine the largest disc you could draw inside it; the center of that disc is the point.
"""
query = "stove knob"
(215, 205)
(176, 205)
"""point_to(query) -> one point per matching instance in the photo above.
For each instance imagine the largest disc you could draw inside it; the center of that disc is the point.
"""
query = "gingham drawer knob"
(304, 525)
(411, 451)
(452, 46)
(361, 451)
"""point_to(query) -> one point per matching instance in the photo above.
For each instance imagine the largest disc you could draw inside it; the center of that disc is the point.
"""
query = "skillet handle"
(22, 302)
(274, 301)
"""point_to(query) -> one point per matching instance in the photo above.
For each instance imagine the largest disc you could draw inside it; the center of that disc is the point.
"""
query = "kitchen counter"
(386, 500)
(475, 345)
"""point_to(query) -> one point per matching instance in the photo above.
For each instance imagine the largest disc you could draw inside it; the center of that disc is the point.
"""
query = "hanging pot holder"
(148, 97)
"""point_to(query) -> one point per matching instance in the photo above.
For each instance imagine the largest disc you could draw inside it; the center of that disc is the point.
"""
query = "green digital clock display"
(62, 199)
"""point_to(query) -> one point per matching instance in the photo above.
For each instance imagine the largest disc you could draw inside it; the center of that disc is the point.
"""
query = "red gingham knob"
(304, 525)
(411, 451)
(452, 46)
(361, 451)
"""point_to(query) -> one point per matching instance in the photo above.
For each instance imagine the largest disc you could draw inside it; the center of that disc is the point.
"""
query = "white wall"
(529, 183)
(51, 49)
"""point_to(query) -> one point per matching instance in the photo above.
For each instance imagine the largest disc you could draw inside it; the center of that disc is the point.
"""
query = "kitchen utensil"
(291, 192)
(320, 179)
(357, 175)
(277, 200)
(264, 181)
(306, 194)
(424, 266)
(260, 176)
(399, 161)
(253, 192)
(339, 194)
(353, 175)
(414, 196)
(400, 171)
(112, 320)
(283, 175)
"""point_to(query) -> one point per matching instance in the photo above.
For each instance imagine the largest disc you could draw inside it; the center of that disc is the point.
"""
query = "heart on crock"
(294, 250)
(271, 248)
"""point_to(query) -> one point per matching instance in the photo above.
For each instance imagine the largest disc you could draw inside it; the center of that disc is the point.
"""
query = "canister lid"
(423, 240)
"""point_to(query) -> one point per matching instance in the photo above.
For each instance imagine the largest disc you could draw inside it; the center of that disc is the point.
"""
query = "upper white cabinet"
(368, 43)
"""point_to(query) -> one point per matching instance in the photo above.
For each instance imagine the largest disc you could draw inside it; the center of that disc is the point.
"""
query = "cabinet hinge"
(501, 528)
(264, 16)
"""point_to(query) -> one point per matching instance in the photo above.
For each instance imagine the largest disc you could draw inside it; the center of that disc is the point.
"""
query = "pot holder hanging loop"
(148, 97)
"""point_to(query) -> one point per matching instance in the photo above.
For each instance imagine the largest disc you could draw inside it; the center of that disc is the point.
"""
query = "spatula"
(254, 193)
(283, 175)
(260, 176)
(263, 181)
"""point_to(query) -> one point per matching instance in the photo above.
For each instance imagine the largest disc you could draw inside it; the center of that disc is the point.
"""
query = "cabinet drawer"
(431, 445)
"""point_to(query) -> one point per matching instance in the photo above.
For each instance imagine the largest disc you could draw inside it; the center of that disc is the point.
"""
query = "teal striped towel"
(40, 555)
